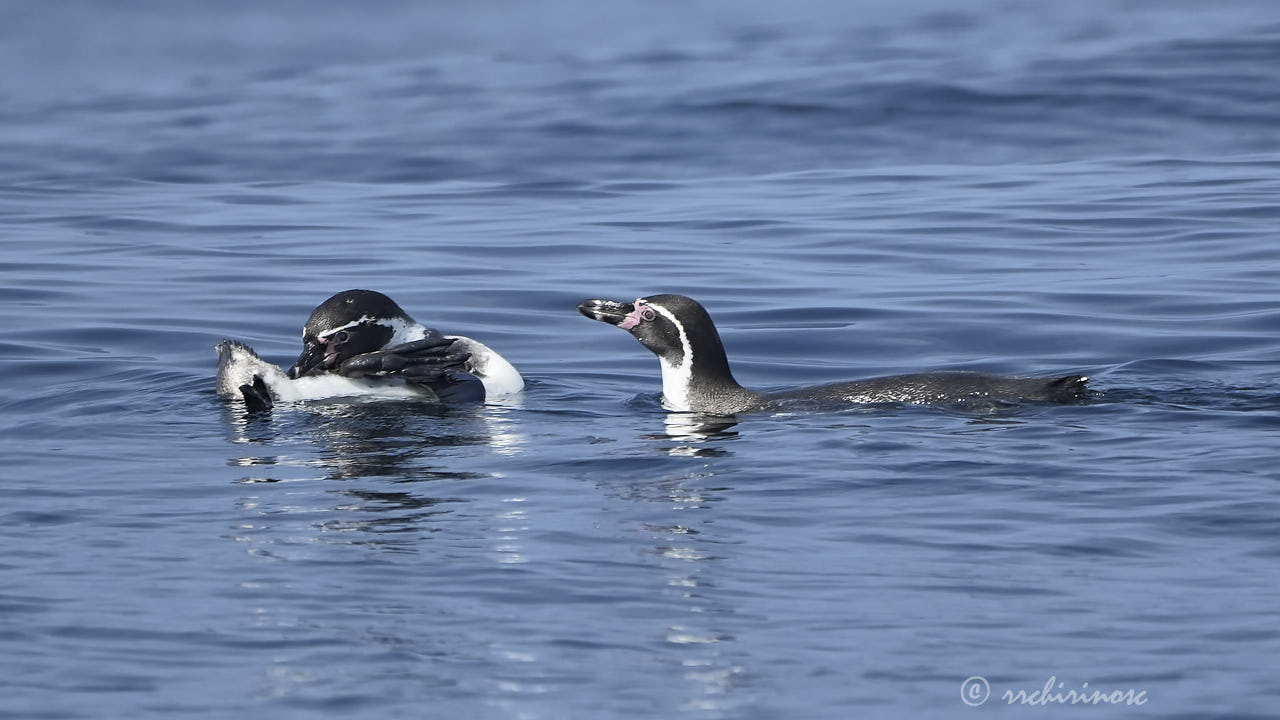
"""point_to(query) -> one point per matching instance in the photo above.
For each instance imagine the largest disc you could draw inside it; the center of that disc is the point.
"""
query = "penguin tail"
(1067, 389)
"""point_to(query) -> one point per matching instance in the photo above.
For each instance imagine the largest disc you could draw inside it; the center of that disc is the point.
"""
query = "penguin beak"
(311, 360)
(607, 311)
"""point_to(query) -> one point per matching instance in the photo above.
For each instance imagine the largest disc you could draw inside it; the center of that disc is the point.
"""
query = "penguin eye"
(648, 314)
(340, 337)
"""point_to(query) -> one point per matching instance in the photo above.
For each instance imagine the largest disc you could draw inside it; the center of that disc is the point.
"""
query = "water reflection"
(245, 427)
(698, 427)
(390, 511)
(348, 429)
(513, 523)
(690, 554)
(363, 439)
(289, 521)
(703, 649)
(375, 451)
(693, 430)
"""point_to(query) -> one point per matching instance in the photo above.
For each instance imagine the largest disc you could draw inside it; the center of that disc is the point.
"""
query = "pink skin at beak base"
(634, 317)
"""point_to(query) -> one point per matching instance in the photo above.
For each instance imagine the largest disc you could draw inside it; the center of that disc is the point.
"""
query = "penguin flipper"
(456, 386)
(420, 361)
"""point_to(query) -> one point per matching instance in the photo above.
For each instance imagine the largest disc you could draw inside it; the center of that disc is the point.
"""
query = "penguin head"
(348, 324)
(680, 332)
(657, 322)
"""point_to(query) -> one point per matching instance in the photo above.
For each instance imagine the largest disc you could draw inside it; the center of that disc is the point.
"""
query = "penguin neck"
(677, 381)
(699, 380)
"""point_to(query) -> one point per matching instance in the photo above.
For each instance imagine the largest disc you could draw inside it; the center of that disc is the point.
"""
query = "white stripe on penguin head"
(401, 331)
(358, 321)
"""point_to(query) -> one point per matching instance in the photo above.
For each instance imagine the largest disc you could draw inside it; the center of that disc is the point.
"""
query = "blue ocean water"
(851, 188)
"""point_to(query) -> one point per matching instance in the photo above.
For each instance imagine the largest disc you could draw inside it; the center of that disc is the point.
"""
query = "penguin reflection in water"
(696, 376)
(361, 343)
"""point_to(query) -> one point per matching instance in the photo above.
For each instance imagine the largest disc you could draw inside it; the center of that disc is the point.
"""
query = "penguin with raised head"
(696, 375)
